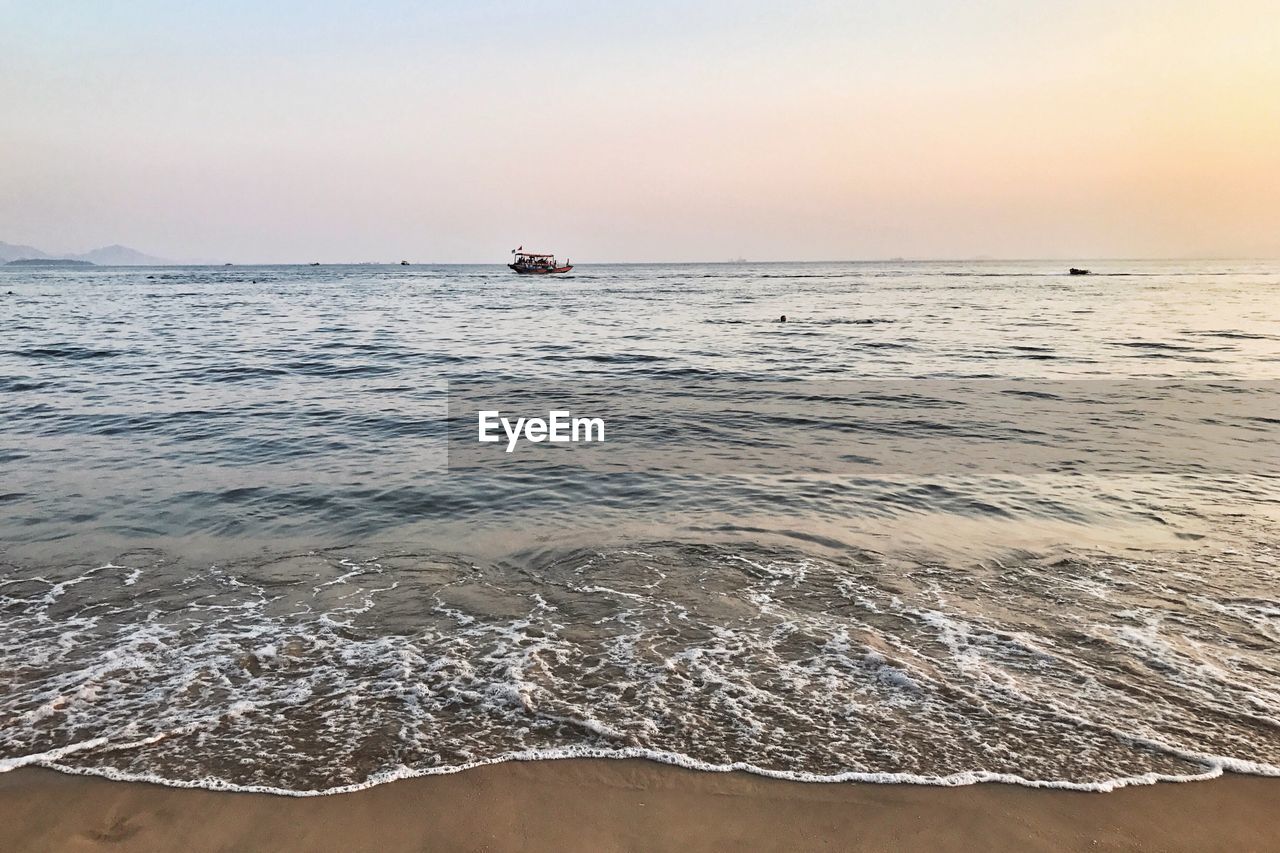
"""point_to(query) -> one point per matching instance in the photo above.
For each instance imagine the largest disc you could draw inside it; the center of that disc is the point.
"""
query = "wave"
(320, 672)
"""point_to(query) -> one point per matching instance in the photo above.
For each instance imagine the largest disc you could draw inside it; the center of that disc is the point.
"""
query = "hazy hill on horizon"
(114, 255)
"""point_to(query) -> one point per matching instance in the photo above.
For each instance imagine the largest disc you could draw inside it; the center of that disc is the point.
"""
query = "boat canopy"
(529, 254)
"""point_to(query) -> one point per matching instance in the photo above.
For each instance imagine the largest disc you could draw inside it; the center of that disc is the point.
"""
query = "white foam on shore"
(1214, 770)
(781, 667)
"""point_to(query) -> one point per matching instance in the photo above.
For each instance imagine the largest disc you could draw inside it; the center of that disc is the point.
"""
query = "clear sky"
(454, 131)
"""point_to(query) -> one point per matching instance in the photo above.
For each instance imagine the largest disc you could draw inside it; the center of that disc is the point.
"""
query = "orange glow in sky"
(690, 131)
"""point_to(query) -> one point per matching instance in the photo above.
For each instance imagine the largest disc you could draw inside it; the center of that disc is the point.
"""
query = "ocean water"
(951, 522)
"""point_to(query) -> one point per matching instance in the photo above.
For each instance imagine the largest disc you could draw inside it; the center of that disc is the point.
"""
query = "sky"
(648, 131)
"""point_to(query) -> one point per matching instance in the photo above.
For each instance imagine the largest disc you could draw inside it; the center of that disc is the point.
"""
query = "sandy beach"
(601, 805)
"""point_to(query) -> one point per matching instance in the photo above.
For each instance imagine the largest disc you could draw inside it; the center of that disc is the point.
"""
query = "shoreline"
(634, 804)
(1222, 767)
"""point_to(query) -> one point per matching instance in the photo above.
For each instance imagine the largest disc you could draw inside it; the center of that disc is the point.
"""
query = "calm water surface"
(237, 549)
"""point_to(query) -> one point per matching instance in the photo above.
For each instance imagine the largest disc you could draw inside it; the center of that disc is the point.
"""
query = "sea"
(948, 523)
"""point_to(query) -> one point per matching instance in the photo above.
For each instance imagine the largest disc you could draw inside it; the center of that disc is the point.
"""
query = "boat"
(533, 263)
(1076, 271)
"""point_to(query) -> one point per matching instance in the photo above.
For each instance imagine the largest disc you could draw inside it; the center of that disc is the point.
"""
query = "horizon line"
(730, 262)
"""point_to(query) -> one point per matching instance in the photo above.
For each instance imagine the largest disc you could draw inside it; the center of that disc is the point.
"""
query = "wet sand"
(598, 805)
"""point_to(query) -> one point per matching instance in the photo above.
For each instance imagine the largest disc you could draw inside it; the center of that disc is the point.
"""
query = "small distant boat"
(532, 263)
(1076, 271)
(404, 263)
(314, 263)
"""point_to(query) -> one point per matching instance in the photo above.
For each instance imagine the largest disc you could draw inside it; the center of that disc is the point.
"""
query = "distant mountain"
(121, 256)
(10, 252)
(117, 255)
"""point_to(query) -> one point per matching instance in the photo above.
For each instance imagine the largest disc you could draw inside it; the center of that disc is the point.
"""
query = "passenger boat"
(532, 263)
